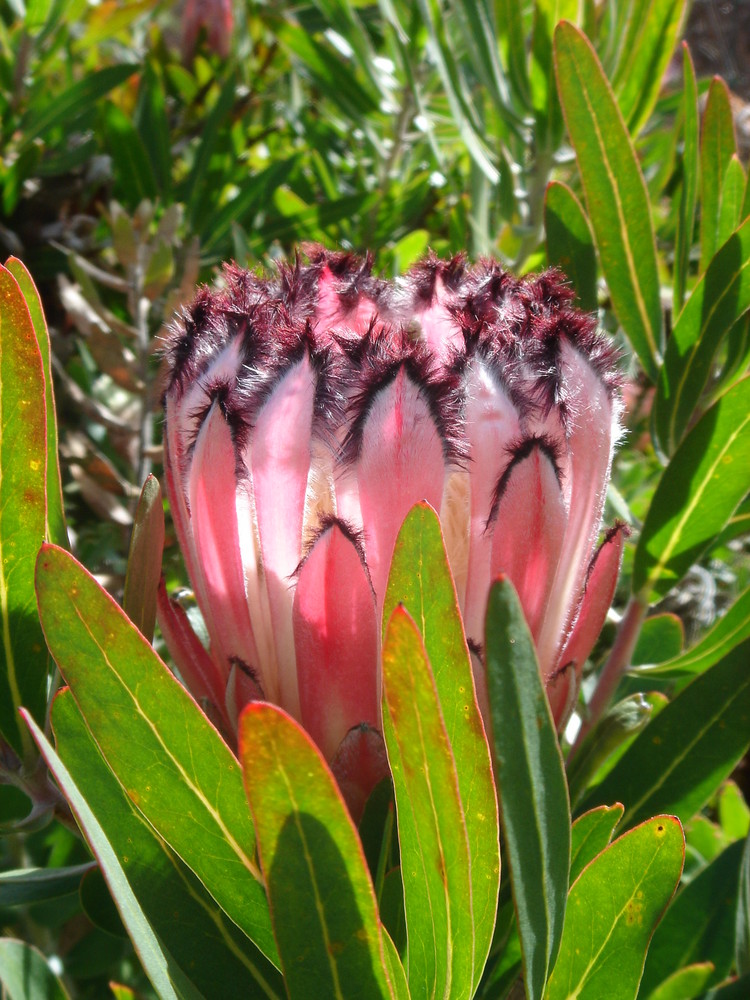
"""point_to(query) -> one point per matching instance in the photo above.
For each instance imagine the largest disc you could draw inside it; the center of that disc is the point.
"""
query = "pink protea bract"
(307, 412)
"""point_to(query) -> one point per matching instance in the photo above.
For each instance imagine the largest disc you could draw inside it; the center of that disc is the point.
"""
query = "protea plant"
(308, 411)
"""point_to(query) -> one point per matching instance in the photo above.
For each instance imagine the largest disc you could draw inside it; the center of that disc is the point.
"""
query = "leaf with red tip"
(56, 530)
(323, 907)
(421, 581)
(612, 911)
(23, 514)
(434, 846)
(175, 767)
(230, 965)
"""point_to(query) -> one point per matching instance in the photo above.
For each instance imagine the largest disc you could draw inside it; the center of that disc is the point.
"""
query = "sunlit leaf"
(176, 768)
(434, 850)
(697, 494)
(682, 756)
(590, 834)
(719, 299)
(613, 908)
(25, 974)
(420, 580)
(717, 147)
(690, 176)
(319, 890)
(699, 924)
(23, 514)
(616, 195)
(144, 559)
(164, 886)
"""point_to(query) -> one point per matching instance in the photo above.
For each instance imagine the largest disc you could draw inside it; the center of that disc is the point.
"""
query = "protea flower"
(307, 412)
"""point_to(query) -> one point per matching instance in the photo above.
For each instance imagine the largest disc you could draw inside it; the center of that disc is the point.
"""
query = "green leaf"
(661, 638)
(682, 756)
(434, 850)
(547, 13)
(699, 924)
(23, 514)
(78, 99)
(690, 174)
(420, 580)
(512, 46)
(153, 127)
(180, 911)
(613, 908)
(732, 197)
(213, 128)
(255, 193)
(639, 75)
(699, 491)
(135, 174)
(687, 982)
(742, 920)
(56, 531)
(590, 834)
(734, 989)
(719, 299)
(173, 764)
(616, 194)
(319, 890)
(33, 885)
(570, 244)
(531, 784)
(729, 630)
(25, 975)
(717, 148)
(734, 812)
(158, 965)
(144, 559)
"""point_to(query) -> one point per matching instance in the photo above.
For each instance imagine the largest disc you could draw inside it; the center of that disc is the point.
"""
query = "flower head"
(307, 412)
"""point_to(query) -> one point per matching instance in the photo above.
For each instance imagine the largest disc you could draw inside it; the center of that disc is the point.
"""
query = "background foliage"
(141, 146)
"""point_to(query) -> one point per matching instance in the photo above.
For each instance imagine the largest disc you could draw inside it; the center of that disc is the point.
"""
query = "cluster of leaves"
(129, 169)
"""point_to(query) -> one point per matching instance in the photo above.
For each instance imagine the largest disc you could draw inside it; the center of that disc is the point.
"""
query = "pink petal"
(590, 441)
(528, 533)
(400, 463)
(360, 763)
(440, 330)
(491, 426)
(196, 667)
(597, 599)
(279, 455)
(220, 585)
(336, 641)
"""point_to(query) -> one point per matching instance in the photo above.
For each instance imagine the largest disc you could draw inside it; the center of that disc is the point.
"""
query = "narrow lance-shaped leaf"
(720, 298)
(420, 579)
(570, 244)
(25, 974)
(144, 559)
(547, 13)
(175, 767)
(742, 920)
(699, 924)
(56, 530)
(699, 491)
(732, 197)
(164, 975)
(731, 629)
(682, 756)
(615, 191)
(646, 56)
(23, 514)
(531, 784)
(434, 848)
(230, 965)
(690, 174)
(613, 908)
(319, 889)
(718, 145)
(590, 834)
